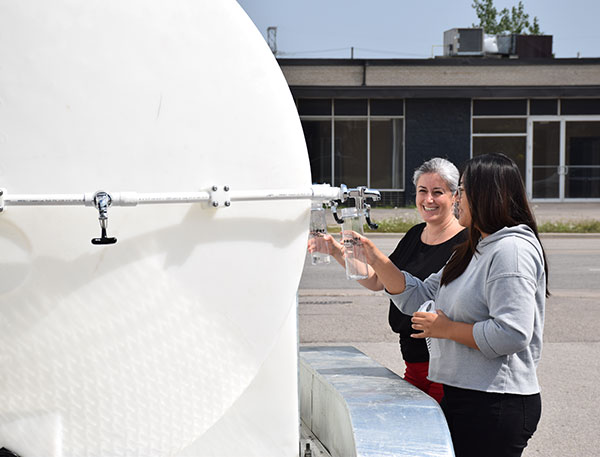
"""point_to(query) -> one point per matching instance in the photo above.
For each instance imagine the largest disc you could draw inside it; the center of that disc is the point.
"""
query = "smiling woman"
(424, 249)
(434, 202)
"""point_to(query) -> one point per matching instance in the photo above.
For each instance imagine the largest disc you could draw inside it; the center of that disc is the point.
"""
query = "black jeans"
(484, 424)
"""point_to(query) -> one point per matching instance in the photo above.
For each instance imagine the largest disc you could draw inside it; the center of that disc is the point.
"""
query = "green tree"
(515, 20)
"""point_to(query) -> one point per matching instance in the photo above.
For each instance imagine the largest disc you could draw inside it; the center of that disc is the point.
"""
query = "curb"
(542, 235)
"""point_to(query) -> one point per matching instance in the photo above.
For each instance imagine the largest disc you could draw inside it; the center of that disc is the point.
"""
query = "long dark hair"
(497, 199)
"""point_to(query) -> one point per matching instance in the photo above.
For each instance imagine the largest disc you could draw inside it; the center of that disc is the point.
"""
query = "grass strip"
(401, 225)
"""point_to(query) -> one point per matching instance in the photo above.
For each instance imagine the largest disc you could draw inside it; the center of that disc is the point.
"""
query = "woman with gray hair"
(423, 250)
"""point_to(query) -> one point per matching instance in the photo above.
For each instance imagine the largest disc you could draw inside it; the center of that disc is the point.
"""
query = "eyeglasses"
(460, 190)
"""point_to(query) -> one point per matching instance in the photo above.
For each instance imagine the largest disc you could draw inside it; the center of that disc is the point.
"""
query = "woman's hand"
(433, 325)
(326, 244)
(438, 325)
(372, 253)
(383, 269)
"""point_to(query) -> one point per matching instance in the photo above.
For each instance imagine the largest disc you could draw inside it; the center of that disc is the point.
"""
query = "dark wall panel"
(435, 128)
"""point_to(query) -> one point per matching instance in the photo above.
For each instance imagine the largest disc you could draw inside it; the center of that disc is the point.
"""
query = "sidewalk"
(553, 212)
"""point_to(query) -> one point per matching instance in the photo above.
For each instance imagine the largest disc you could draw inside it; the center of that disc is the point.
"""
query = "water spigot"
(359, 194)
(102, 201)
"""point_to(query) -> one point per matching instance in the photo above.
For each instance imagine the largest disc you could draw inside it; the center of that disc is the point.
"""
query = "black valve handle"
(337, 218)
(370, 223)
(104, 239)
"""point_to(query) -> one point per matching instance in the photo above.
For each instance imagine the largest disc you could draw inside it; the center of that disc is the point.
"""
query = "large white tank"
(179, 340)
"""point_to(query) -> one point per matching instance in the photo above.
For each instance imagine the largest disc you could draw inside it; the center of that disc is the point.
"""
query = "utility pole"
(272, 39)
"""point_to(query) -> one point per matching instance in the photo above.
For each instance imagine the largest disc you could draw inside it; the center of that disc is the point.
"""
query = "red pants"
(416, 373)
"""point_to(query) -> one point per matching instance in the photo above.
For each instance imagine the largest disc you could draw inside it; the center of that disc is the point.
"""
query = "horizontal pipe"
(44, 199)
(317, 192)
(167, 197)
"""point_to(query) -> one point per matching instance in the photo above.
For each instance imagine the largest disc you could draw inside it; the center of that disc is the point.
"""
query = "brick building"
(374, 121)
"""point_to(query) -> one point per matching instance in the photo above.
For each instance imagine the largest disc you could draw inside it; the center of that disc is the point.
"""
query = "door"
(582, 159)
(547, 168)
(564, 159)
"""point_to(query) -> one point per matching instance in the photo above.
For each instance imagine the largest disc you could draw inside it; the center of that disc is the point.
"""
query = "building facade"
(372, 122)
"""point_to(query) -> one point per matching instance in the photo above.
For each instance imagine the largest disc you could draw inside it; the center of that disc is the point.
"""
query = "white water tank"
(180, 339)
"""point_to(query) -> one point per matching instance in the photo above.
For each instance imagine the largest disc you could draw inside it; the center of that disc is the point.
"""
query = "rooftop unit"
(463, 42)
(474, 42)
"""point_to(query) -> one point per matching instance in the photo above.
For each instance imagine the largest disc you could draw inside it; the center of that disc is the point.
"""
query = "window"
(387, 107)
(386, 154)
(350, 153)
(513, 147)
(318, 143)
(355, 142)
(500, 107)
(501, 126)
(543, 106)
(580, 106)
(350, 107)
(314, 107)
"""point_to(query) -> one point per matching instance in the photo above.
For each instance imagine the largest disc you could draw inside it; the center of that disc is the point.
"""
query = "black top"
(420, 260)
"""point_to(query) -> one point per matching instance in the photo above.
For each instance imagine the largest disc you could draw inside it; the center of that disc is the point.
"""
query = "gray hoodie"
(502, 292)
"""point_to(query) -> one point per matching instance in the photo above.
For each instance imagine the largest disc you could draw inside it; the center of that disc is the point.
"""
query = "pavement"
(556, 212)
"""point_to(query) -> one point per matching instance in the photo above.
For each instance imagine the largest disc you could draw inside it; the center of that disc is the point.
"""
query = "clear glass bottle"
(356, 261)
(318, 229)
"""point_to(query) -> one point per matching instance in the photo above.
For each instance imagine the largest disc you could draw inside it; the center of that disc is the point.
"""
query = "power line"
(318, 51)
(400, 53)
(350, 50)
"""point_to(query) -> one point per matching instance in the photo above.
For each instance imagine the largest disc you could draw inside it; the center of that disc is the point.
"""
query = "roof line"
(440, 61)
(444, 91)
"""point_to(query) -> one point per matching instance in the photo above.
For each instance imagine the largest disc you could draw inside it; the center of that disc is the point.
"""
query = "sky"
(409, 29)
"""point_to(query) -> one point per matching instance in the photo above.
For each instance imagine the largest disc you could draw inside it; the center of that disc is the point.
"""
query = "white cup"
(429, 307)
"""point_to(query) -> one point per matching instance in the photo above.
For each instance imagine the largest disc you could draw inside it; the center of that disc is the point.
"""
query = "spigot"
(307, 451)
(359, 194)
(102, 201)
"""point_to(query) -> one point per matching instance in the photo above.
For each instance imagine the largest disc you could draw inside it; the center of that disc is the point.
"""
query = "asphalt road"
(333, 310)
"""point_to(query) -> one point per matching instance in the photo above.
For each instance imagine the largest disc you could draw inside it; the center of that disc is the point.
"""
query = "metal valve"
(102, 201)
(360, 195)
